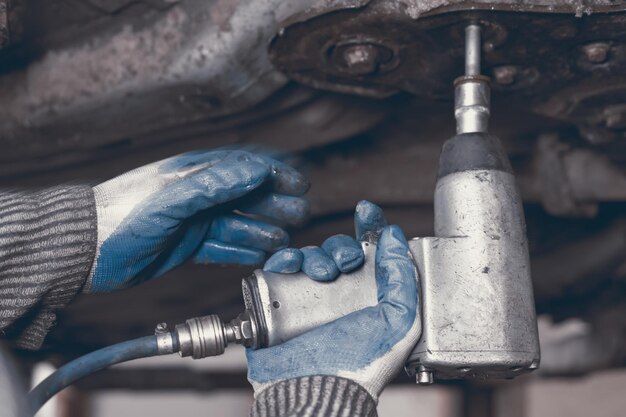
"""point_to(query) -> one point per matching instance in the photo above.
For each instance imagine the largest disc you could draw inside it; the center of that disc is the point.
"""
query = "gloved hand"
(368, 346)
(154, 218)
(339, 253)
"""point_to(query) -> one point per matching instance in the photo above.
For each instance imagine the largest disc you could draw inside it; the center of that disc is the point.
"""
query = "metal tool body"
(477, 305)
(476, 298)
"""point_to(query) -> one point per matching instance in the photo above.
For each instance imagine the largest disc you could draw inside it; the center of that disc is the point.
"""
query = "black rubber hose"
(71, 372)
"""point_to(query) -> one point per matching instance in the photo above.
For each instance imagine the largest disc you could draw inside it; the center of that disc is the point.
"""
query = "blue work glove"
(154, 218)
(368, 346)
(339, 253)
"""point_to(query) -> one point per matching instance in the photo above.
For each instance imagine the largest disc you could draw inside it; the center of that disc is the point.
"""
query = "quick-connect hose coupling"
(201, 337)
(472, 95)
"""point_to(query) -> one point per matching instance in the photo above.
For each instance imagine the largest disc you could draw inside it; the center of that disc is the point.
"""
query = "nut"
(361, 59)
(597, 52)
(241, 330)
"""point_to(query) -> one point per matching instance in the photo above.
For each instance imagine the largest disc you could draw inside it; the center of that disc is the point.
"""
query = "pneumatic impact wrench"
(476, 299)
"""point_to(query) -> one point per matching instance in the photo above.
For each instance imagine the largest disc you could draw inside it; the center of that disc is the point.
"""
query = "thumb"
(396, 274)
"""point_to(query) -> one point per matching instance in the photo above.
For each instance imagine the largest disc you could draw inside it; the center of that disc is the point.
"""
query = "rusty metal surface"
(564, 59)
(133, 75)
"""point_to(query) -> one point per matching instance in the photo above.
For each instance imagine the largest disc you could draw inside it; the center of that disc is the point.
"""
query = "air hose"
(142, 347)
(198, 337)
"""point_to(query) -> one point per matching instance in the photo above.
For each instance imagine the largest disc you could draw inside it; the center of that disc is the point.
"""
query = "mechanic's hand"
(339, 253)
(153, 218)
(368, 346)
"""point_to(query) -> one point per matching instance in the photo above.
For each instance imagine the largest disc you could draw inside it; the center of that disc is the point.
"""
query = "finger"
(396, 275)
(229, 179)
(369, 220)
(243, 231)
(283, 208)
(286, 261)
(345, 252)
(318, 265)
(214, 252)
(286, 179)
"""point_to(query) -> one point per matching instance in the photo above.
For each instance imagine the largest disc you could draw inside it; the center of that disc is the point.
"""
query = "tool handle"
(286, 306)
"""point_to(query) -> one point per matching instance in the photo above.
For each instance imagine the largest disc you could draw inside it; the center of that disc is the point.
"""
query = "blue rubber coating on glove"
(355, 341)
(285, 261)
(368, 219)
(284, 178)
(287, 180)
(248, 232)
(156, 217)
(215, 252)
(318, 265)
(345, 251)
(131, 253)
(284, 208)
(188, 237)
(196, 160)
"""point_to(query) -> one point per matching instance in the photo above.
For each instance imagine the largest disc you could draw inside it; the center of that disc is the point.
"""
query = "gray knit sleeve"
(314, 396)
(47, 245)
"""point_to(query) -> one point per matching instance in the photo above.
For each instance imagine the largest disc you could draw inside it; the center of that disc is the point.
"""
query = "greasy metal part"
(243, 330)
(360, 58)
(472, 96)
(473, 50)
(555, 58)
(471, 104)
(426, 61)
(201, 337)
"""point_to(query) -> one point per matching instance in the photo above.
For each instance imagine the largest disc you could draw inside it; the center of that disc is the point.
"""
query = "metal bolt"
(597, 52)
(506, 74)
(424, 377)
(361, 59)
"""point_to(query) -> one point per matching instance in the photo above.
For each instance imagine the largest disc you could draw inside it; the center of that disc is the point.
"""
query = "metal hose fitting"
(201, 337)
